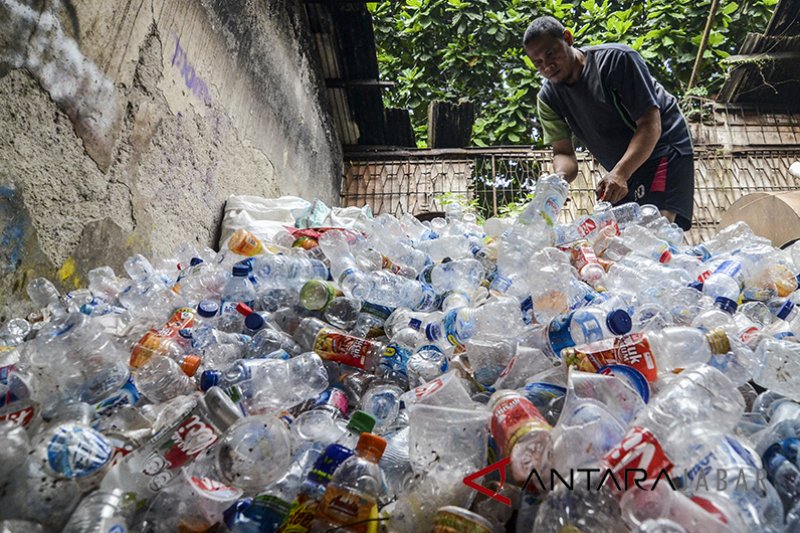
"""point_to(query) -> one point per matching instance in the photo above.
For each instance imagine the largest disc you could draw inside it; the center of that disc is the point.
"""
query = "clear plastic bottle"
(550, 196)
(100, 512)
(162, 341)
(651, 352)
(360, 422)
(719, 316)
(271, 384)
(350, 500)
(335, 345)
(642, 242)
(586, 263)
(584, 325)
(727, 280)
(238, 289)
(162, 378)
(343, 266)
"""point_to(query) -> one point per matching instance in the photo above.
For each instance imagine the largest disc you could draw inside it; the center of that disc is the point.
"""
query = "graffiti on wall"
(193, 81)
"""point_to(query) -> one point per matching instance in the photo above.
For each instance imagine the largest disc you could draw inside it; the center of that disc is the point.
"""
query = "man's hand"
(613, 187)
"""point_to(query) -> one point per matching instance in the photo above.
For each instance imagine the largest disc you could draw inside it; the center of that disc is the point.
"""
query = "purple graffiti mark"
(13, 221)
(193, 81)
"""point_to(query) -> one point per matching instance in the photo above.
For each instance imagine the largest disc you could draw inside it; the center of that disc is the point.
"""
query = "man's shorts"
(668, 183)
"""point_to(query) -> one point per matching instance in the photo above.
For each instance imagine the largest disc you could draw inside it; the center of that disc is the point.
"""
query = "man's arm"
(614, 186)
(564, 160)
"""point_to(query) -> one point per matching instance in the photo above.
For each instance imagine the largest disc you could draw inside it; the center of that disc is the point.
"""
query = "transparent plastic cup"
(447, 389)
(451, 437)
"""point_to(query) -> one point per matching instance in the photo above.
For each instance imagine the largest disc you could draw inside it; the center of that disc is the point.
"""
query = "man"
(606, 97)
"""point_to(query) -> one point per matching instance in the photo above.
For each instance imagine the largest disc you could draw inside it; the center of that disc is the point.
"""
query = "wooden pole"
(703, 42)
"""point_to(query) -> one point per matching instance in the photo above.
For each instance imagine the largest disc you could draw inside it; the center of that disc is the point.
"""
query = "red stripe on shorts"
(660, 179)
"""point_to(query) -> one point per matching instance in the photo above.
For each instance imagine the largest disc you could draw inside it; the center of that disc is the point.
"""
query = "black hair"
(546, 25)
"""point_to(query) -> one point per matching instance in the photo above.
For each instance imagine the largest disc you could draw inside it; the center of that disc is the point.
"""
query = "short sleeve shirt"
(614, 91)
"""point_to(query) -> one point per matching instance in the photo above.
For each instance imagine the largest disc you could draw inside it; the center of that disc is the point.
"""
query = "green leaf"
(513, 137)
(730, 8)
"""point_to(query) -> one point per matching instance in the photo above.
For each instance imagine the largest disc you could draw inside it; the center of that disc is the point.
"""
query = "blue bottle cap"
(726, 304)
(696, 285)
(328, 462)
(194, 261)
(207, 308)
(240, 270)
(254, 321)
(209, 378)
(619, 322)
(185, 333)
(785, 309)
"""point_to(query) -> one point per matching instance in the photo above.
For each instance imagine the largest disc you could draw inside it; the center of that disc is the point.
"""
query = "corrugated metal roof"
(766, 72)
(345, 44)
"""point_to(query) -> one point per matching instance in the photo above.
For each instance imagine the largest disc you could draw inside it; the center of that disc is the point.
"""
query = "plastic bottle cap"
(207, 308)
(785, 309)
(696, 285)
(254, 321)
(190, 364)
(665, 257)
(718, 342)
(194, 261)
(185, 333)
(209, 378)
(240, 270)
(619, 322)
(361, 422)
(370, 444)
(244, 309)
(726, 304)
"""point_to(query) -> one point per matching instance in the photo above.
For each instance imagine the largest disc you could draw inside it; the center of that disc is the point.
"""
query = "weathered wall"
(125, 124)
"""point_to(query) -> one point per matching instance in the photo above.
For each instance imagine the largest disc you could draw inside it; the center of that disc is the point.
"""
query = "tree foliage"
(455, 50)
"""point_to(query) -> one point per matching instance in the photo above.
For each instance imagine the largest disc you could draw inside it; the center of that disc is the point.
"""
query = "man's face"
(552, 58)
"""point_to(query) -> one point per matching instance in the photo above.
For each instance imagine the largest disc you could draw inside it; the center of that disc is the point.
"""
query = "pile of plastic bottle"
(517, 375)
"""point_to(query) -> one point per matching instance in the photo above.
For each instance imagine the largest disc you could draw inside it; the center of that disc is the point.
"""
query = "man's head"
(549, 45)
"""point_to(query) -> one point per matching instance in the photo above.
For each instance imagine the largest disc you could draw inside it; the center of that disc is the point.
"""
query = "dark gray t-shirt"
(614, 91)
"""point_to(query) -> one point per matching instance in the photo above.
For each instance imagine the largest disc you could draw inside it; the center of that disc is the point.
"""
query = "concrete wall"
(125, 124)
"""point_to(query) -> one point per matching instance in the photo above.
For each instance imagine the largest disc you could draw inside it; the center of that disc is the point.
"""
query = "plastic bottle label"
(514, 417)
(591, 329)
(20, 412)
(638, 450)
(583, 255)
(74, 451)
(192, 437)
(214, 490)
(732, 269)
(586, 227)
(342, 348)
(243, 242)
(558, 333)
(333, 397)
(301, 516)
(451, 323)
(550, 209)
(631, 350)
(396, 357)
(128, 394)
(342, 506)
(9, 396)
(150, 343)
(526, 307)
